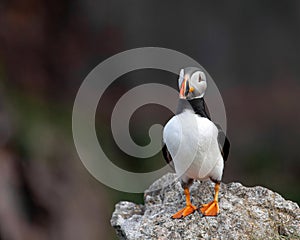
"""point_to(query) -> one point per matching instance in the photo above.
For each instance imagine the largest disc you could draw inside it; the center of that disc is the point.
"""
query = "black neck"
(199, 107)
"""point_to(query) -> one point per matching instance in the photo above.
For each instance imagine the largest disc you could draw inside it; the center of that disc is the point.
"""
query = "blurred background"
(250, 48)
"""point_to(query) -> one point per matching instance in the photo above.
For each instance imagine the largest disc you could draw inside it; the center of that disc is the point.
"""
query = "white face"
(193, 86)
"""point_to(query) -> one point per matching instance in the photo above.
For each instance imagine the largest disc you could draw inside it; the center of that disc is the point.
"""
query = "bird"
(193, 144)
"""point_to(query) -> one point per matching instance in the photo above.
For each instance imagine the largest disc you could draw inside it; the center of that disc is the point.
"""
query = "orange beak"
(185, 88)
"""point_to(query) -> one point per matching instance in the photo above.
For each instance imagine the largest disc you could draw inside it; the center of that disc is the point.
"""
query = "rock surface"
(245, 213)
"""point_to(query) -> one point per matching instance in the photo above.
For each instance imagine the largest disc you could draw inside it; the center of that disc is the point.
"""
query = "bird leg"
(189, 208)
(212, 208)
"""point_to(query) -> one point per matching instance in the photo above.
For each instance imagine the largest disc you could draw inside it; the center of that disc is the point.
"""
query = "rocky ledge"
(245, 213)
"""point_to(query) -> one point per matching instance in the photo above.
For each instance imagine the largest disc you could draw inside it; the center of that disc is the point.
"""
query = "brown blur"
(250, 48)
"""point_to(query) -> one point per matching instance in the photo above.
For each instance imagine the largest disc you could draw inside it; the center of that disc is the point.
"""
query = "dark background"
(250, 48)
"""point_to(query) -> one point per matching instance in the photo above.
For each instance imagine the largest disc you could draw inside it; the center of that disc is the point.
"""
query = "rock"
(245, 213)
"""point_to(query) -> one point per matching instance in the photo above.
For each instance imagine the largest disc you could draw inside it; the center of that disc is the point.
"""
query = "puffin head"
(192, 83)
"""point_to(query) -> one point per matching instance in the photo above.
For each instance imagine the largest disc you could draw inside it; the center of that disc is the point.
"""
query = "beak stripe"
(182, 89)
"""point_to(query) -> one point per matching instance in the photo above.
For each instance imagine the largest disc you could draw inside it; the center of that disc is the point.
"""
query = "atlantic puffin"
(194, 145)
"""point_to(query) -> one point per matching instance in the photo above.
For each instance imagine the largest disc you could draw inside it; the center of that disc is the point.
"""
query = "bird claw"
(210, 209)
(189, 209)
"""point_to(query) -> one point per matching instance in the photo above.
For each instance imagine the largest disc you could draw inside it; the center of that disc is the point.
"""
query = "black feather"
(167, 156)
(200, 108)
(224, 143)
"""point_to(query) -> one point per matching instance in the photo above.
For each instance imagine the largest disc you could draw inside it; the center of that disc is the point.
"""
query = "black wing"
(224, 143)
(201, 109)
(167, 155)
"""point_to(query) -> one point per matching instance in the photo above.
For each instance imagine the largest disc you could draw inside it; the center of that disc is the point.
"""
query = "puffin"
(195, 146)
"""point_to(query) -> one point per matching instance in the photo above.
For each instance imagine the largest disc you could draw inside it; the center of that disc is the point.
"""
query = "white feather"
(193, 145)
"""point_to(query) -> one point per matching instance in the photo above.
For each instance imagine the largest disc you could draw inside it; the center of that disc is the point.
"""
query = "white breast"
(193, 145)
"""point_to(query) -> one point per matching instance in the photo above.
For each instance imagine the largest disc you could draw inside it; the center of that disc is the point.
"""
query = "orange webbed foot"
(189, 209)
(210, 209)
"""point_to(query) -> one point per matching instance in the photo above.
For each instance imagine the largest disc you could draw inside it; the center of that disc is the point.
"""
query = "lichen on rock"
(245, 213)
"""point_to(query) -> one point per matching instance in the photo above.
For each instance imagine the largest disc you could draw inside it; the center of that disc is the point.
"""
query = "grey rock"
(245, 213)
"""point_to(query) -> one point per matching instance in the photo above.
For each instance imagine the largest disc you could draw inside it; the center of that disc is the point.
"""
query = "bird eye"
(199, 79)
